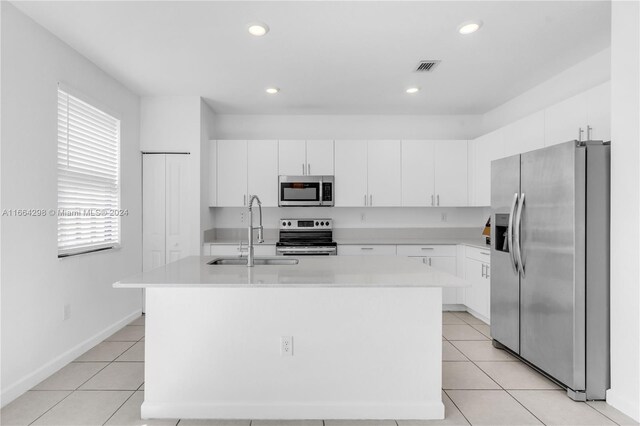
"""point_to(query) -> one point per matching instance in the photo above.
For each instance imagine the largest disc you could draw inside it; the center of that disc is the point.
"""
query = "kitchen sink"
(240, 261)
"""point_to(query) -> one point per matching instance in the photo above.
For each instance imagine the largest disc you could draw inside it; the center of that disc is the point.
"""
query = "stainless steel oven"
(305, 191)
(306, 237)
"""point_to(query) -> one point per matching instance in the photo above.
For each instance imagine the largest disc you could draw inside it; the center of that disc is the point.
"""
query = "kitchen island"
(329, 337)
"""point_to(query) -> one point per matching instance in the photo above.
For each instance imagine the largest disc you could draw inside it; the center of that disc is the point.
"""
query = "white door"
(351, 173)
(153, 211)
(232, 173)
(473, 271)
(446, 264)
(292, 156)
(524, 135)
(487, 148)
(599, 112)
(451, 173)
(320, 157)
(418, 173)
(384, 171)
(177, 206)
(564, 119)
(263, 171)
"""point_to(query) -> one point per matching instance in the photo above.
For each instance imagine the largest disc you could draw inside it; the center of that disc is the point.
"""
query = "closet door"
(153, 211)
(177, 203)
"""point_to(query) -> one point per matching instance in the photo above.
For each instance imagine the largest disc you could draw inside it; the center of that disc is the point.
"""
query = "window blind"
(88, 177)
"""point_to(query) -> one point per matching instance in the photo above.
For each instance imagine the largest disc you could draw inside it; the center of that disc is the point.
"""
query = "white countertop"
(311, 271)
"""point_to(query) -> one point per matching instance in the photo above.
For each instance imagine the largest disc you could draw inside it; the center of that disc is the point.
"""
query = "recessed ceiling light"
(469, 27)
(272, 90)
(258, 29)
(413, 90)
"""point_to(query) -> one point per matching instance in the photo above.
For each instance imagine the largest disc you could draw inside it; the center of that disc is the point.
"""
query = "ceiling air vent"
(427, 66)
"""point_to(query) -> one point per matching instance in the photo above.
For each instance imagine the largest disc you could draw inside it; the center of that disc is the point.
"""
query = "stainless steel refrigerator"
(550, 262)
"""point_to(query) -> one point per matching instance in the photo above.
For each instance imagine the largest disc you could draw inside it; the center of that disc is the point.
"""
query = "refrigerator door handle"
(510, 243)
(518, 244)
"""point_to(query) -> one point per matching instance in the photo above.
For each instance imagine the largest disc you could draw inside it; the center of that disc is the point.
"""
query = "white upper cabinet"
(565, 120)
(320, 157)
(351, 173)
(450, 173)
(262, 177)
(418, 175)
(384, 174)
(292, 157)
(300, 157)
(599, 112)
(484, 150)
(582, 117)
(232, 173)
(526, 134)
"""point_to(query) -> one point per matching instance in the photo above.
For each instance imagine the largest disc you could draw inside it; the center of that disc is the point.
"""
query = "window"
(88, 177)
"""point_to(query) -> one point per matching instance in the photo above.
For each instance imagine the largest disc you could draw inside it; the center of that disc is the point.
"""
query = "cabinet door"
(351, 173)
(524, 135)
(262, 172)
(451, 173)
(213, 174)
(385, 177)
(292, 157)
(446, 264)
(564, 119)
(232, 173)
(473, 273)
(599, 112)
(320, 157)
(487, 148)
(179, 199)
(418, 173)
(153, 211)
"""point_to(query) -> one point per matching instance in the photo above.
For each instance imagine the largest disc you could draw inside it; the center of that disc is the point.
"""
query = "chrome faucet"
(251, 227)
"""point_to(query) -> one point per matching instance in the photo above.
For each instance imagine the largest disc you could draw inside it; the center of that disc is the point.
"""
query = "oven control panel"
(306, 223)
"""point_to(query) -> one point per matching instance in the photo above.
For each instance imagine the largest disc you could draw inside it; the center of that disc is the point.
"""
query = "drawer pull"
(427, 248)
(485, 253)
(366, 248)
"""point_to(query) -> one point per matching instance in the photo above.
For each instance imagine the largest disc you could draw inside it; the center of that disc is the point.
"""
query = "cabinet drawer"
(482, 255)
(433, 250)
(367, 250)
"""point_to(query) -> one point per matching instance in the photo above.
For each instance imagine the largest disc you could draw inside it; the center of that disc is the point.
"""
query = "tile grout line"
(51, 408)
(600, 412)
(119, 407)
(456, 405)
(523, 406)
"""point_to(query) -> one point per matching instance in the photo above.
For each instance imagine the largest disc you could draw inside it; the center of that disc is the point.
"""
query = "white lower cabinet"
(366, 250)
(477, 271)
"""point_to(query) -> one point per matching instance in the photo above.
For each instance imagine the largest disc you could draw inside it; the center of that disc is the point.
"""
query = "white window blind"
(88, 177)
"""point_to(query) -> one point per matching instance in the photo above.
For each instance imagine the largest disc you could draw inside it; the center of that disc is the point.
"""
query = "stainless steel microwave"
(305, 191)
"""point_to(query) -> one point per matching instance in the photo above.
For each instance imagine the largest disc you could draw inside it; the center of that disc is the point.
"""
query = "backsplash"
(354, 217)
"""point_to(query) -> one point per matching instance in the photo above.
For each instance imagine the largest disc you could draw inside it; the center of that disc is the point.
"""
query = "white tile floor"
(481, 386)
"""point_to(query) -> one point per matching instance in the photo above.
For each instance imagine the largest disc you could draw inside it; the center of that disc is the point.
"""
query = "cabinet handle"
(486, 274)
(427, 248)
(366, 248)
(303, 173)
(371, 200)
(589, 129)
(483, 270)
(429, 261)
(244, 200)
(438, 199)
(580, 132)
(432, 200)
(365, 200)
(309, 169)
(485, 253)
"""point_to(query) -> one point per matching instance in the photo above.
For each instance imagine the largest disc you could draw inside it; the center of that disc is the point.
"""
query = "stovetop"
(310, 232)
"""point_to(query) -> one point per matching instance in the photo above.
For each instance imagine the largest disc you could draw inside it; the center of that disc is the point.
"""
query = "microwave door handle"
(510, 242)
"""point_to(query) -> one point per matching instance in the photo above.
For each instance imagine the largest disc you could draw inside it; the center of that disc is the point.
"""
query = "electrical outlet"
(363, 217)
(443, 217)
(286, 346)
(242, 217)
(67, 311)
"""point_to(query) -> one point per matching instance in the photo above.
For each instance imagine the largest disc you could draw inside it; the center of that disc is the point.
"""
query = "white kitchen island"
(366, 335)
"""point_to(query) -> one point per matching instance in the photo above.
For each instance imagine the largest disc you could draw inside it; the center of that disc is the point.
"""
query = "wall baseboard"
(625, 405)
(16, 389)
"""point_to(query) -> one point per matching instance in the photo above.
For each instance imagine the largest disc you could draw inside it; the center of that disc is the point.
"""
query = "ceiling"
(330, 57)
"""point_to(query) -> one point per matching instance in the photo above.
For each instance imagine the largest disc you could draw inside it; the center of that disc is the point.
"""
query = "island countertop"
(311, 271)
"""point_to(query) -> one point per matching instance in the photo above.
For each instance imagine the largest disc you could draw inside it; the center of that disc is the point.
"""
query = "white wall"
(347, 126)
(584, 75)
(351, 217)
(173, 124)
(625, 208)
(36, 285)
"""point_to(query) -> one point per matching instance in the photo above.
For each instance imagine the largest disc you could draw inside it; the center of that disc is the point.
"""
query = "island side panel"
(358, 353)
